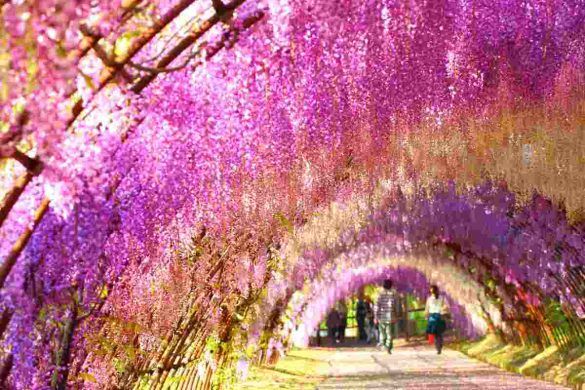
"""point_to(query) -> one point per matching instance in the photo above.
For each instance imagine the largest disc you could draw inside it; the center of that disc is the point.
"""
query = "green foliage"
(87, 377)
(284, 222)
(119, 365)
(174, 380)
(576, 370)
(555, 315)
(540, 364)
(212, 343)
(490, 284)
(225, 376)
(372, 291)
(104, 292)
(552, 364)
(299, 369)
(124, 42)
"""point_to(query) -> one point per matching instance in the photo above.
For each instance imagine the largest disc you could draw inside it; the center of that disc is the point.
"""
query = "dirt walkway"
(417, 367)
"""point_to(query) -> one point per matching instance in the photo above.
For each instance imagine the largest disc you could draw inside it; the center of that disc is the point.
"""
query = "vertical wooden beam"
(406, 319)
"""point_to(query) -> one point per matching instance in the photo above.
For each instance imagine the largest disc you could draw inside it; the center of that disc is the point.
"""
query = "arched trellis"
(494, 299)
(411, 274)
(475, 312)
(268, 328)
(345, 169)
(114, 68)
(182, 355)
(519, 302)
(130, 71)
(342, 285)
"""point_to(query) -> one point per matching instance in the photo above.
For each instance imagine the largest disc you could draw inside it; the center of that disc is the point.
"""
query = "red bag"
(431, 339)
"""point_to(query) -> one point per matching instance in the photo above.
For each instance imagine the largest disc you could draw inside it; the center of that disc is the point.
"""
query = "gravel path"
(418, 367)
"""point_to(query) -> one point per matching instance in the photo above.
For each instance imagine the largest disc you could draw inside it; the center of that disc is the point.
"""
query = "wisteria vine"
(162, 159)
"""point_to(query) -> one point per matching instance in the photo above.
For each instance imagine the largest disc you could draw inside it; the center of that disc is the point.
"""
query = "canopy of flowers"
(185, 180)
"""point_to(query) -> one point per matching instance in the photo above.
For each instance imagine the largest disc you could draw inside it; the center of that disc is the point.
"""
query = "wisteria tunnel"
(188, 186)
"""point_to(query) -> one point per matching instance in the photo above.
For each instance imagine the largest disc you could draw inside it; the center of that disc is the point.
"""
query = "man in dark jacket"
(385, 314)
(361, 311)
(333, 324)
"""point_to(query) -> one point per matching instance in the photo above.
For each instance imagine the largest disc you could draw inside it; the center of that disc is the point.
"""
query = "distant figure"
(361, 312)
(333, 322)
(342, 309)
(385, 315)
(371, 328)
(435, 311)
(318, 335)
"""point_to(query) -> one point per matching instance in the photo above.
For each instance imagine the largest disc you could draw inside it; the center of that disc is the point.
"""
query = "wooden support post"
(33, 168)
(5, 368)
(406, 320)
(12, 197)
(21, 243)
(5, 320)
(31, 164)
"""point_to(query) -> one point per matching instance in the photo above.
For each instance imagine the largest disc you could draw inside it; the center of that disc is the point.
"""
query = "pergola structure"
(182, 179)
(183, 39)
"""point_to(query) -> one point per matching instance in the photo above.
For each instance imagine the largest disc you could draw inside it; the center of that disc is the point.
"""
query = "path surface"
(418, 367)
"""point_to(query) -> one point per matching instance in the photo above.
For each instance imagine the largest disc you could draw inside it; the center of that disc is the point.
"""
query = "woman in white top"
(435, 311)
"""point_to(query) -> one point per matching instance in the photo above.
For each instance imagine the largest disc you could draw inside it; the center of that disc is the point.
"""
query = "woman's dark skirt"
(436, 324)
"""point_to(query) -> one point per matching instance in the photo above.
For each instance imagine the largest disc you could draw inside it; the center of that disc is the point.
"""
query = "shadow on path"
(412, 365)
(415, 365)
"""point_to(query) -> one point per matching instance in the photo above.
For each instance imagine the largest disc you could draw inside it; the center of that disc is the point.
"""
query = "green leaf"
(119, 365)
(130, 351)
(491, 284)
(88, 81)
(87, 377)
(104, 292)
(124, 43)
(284, 222)
(61, 50)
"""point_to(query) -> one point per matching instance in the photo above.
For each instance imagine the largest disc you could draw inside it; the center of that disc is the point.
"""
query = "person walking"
(342, 310)
(385, 315)
(333, 322)
(361, 312)
(436, 310)
(371, 328)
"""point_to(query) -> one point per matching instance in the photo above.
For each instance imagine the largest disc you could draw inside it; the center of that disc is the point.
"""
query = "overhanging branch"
(186, 42)
(207, 49)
